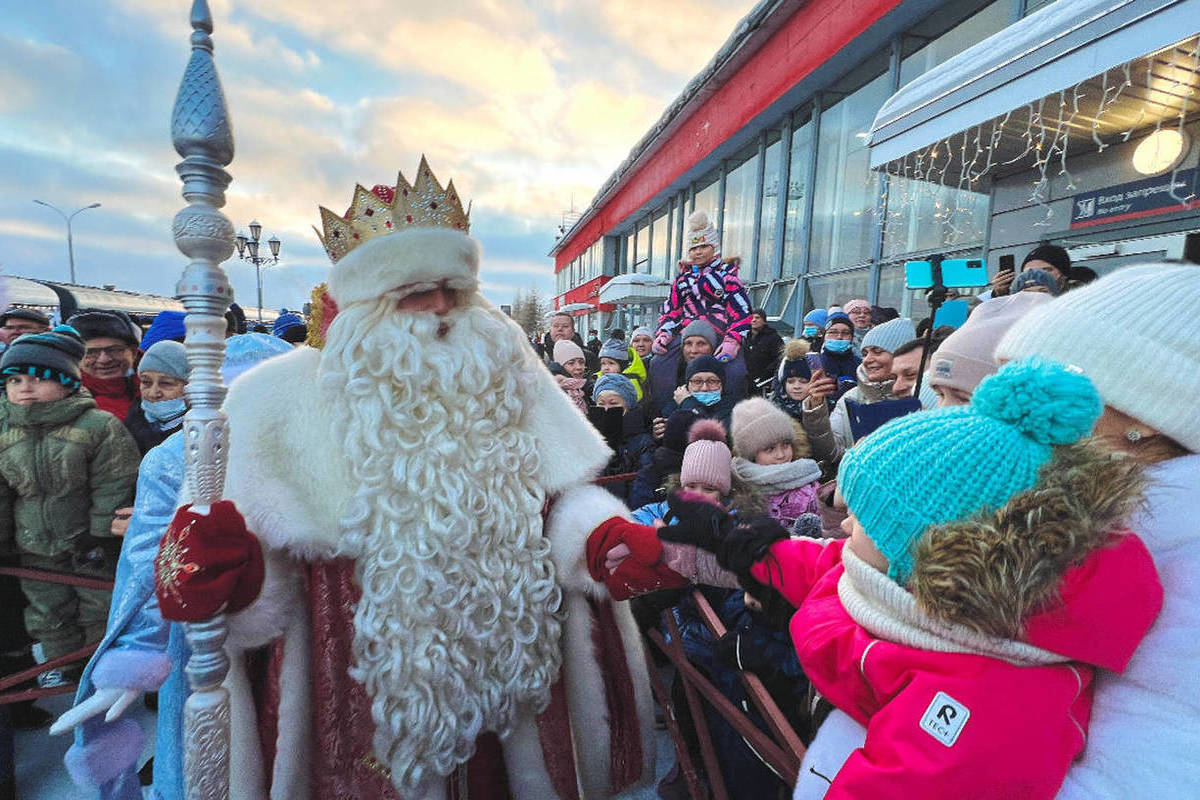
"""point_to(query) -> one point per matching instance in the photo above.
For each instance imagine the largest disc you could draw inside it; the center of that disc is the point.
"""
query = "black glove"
(95, 552)
(748, 543)
(697, 522)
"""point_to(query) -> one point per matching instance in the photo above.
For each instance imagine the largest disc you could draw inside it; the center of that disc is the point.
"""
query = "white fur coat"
(286, 478)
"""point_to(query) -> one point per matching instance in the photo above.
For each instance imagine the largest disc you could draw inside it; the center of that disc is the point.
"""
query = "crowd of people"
(84, 402)
(960, 557)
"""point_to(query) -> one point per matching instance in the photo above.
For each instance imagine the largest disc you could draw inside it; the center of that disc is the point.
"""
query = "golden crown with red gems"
(386, 209)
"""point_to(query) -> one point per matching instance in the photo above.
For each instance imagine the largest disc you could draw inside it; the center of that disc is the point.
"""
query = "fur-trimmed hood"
(1036, 569)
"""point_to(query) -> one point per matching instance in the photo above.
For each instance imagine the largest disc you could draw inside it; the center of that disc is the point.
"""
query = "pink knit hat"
(966, 357)
(707, 459)
(565, 350)
(855, 304)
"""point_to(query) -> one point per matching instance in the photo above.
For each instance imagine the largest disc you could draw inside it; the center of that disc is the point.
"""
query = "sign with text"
(1136, 199)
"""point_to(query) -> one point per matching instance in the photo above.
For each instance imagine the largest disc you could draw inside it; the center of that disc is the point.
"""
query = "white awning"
(1015, 78)
(635, 289)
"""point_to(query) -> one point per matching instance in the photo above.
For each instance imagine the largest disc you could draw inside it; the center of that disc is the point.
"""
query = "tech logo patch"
(945, 719)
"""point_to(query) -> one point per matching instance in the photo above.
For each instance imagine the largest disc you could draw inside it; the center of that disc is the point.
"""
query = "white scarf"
(890, 612)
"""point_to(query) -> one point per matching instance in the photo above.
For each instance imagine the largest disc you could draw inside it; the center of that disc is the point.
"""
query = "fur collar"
(777, 478)
(993, 570)
(887, 611)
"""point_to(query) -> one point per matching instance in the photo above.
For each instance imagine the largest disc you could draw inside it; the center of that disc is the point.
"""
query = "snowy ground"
(41, 776)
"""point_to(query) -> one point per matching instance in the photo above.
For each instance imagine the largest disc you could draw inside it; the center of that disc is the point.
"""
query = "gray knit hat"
(700, 327)
(616, 350)
(757, 424)
(1157, 381)
(166, 356)
(619, 384)
(890, 335)
(49, 355)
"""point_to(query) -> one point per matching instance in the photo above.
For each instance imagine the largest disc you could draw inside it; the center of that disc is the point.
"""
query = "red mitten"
(661, 342)
(207, 564)
(642, 572)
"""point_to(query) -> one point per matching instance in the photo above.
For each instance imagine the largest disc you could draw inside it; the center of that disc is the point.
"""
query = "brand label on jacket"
(945, 719)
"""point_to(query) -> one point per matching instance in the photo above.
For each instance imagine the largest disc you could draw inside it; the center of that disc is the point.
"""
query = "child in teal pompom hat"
(939, 466)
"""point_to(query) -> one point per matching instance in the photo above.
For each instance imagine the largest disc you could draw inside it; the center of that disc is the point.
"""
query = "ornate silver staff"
(202, 136)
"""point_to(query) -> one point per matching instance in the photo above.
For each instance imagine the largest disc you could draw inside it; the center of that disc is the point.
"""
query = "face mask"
(164, 411)
(810, 331)
(707, 398)
(838, 345)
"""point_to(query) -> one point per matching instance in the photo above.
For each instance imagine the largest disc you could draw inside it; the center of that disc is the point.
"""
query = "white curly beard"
(459, 622)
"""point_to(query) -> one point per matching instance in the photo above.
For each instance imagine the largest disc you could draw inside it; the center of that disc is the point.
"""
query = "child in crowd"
(617, 358)
(619, 418)
(795, 388)
(163, 376)
(666, 460)
(65, 467)
(569, 369)
(772, 455)
(706, 287)
(987, 573)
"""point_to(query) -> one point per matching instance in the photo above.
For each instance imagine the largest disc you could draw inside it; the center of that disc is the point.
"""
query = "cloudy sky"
(528, 106)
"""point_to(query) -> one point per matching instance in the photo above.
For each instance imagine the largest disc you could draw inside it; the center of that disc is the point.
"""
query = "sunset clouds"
(525, 105)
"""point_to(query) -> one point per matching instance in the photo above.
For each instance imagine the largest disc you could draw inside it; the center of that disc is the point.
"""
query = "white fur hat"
(405, 262)
(701, 231)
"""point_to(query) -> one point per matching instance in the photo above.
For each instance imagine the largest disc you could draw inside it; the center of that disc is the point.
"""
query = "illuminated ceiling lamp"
(1160, 151)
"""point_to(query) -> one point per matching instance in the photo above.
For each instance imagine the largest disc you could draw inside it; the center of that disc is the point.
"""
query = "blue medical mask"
(707, 398)
(838, 345)
(810, 331)
(164, 412)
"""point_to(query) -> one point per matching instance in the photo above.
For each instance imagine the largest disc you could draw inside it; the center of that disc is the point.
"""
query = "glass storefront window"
(741, 190)
(795, 237)
(641, 258)
(990, 19)
(845, 187)
(626, 264)
(706, 197)
(823, 291)
(770, 207)
(660, 235)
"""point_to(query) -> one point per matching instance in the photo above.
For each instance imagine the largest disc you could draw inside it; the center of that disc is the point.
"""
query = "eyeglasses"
(113, 351)
(25, 328)
(704, 383)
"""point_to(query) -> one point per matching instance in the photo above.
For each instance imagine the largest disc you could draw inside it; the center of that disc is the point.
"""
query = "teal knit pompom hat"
(939, 466)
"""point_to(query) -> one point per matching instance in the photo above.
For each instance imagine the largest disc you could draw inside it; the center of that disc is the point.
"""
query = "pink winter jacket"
(957, 725)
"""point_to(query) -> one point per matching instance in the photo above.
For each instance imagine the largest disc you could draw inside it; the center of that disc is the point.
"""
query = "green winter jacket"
(65, 467)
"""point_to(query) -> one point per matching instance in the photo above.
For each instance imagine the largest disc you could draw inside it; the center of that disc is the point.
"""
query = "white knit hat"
(1136, 334)
(700, 231)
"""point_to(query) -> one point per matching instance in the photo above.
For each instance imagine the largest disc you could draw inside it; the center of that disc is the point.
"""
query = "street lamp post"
(247, 250)
(67, 219)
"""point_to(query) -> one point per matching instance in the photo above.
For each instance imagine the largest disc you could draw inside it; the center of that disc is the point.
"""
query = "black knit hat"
(24, 313)
(50, 355)
(110, 324)
(1053, 255)
(706, 364)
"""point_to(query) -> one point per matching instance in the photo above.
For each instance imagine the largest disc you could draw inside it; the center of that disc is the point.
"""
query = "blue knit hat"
(890, 335)
(705, 363)
(939, 466)
(615, 349)
(818, 317)
(621, 385)
(838, 316)
(1036, 277)
(284, 322)
(249, 349)
(167, 325)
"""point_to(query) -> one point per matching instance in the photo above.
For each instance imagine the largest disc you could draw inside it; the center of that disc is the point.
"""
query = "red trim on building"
(813, 33)
(586, 293)
(1149, 212)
